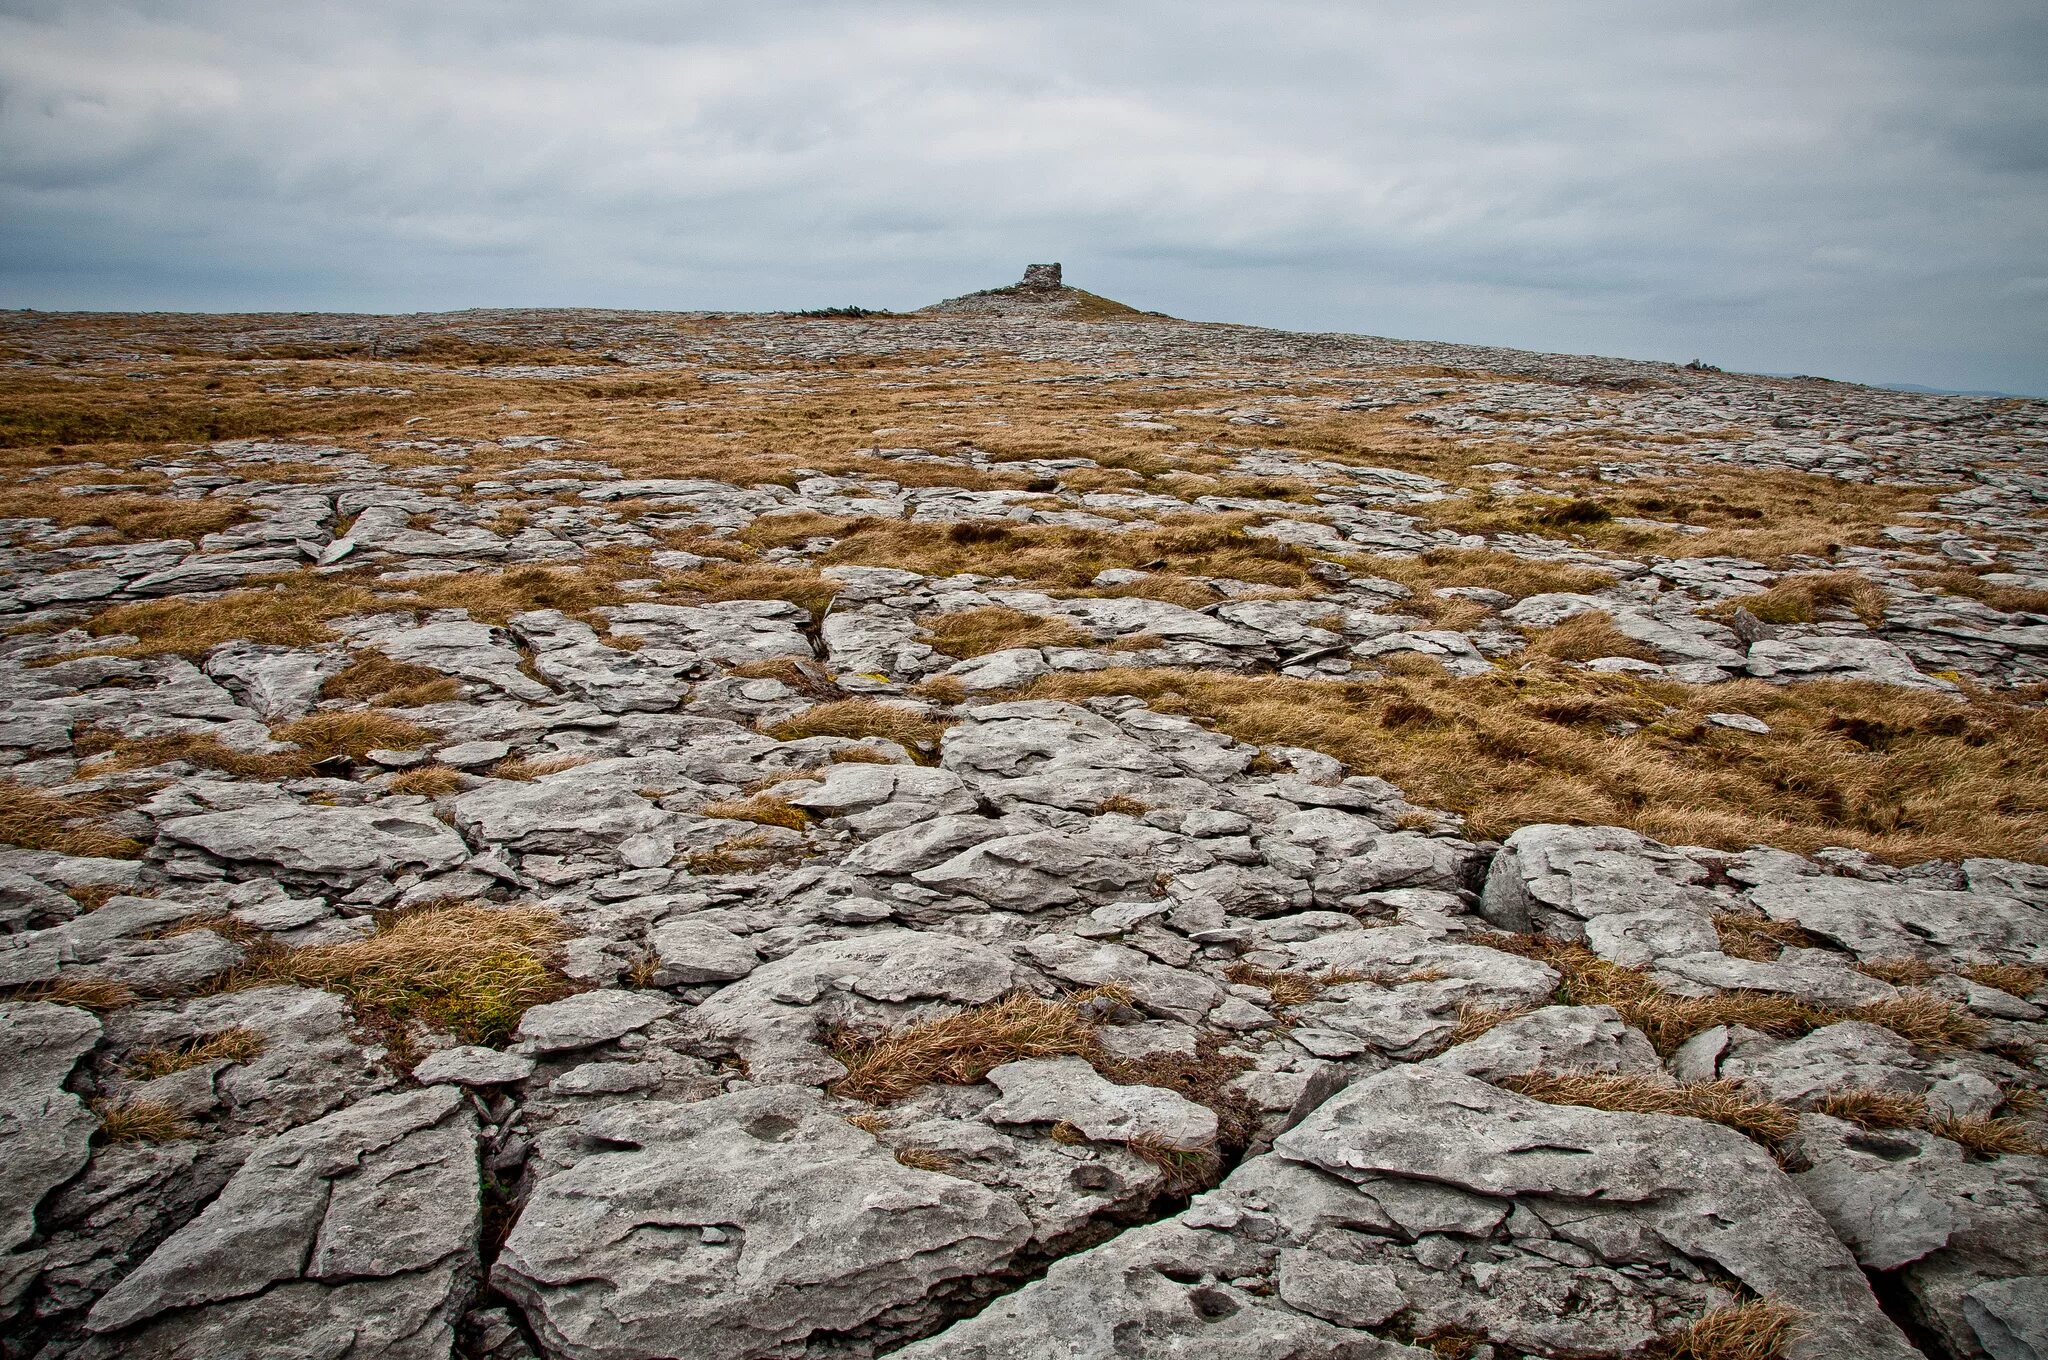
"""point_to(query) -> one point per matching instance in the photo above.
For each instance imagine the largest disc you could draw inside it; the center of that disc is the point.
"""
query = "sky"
(1849, 188)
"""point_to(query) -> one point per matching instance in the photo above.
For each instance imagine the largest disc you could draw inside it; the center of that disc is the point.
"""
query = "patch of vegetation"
(1912, 776)
(37, 819)
(1722, 1102)
(1813, 597)
(959, 1049)
(467, 968)
(373, 678)
(910, 727)
(760, 809)
(995, 628)
(144, 1121)
(239, 1044)
(293, 612)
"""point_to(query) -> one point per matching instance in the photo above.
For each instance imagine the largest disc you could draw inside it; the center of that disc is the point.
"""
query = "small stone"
(473, 1066)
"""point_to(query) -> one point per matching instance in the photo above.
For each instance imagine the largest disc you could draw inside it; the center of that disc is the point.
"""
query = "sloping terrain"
(995, 833)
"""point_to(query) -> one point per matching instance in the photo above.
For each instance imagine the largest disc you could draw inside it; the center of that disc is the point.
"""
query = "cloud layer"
(1855, 189)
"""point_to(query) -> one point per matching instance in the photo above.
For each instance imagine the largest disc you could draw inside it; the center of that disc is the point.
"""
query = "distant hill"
(1041, 293)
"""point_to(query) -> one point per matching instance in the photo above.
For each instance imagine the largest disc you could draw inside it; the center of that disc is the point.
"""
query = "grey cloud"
(1856, 189)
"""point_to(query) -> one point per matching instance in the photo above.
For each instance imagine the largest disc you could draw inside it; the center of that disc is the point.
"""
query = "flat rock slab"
(353, 1235)
(1053, 1090)
(737, 1227)
(45, 1131)
(588, 1019)
(324, 842)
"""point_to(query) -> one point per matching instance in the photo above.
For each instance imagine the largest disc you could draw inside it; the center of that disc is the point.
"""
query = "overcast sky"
(1853, 188)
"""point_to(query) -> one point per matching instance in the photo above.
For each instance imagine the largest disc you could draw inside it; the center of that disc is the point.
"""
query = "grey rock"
(473, 1066)
(355, 1234)
(737, 1227)
(697, 951)
(383, 838)
(588, 1019)
(1050, 1090)
(45, 1131)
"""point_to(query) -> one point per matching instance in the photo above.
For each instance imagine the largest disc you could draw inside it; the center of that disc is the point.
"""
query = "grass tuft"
(144, 1121)
(37, 819)
(239, 1044)
(959, 1049)
(995, 628)
(467, 968)
(911, 728)
(1758, 1329)
(1722, 1102)
(761, 809)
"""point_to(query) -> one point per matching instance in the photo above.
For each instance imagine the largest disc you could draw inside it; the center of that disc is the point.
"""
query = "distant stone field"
(1028, 829)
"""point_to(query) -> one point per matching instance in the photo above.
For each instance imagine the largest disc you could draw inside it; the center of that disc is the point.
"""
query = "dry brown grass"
(760, 809)
(373, 678)
(1873, 1109)
(1990, 1136)
(1123, 803)
(1813, 598)
(959, 1049)
(1923, 1018)
(805, 677)
(2016, 979)
(1758, 937)
(1666, 1020)
(1475, 1020)
(801, 586)
(1069, 559)
(318, 736)
(37, 819)
(535, 767)
(128, 517)
(912, 728)
(1758, 1329)
(467, 968)
(428, 781)
(977, 632)
(2009, 599)
(1904, 972)
(239, 1044)
(1722, 1102)
(924, 1159)
(294, 612)
(143, 1121)
(1766, 516)
(1586, 637)
(1906, 775)
(746, 854)
(1483, 567)
(85, 992)
(495, 596)
(1287, 989)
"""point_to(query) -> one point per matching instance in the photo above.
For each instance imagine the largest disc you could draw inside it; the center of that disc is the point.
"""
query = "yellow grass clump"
(1758, 1329)
(143, 1121)
(1811, 598)
(239, 1044)
(1907, 775)
(37, 819)
(1722, 1102)
(995, 628)
(761, 809)
(294, 612)
(908, 726)
(428, 781)
(959, 1049)
(373, 678)
(467, 968)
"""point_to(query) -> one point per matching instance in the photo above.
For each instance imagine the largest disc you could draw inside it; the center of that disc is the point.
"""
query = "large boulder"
(45, 1131)
(739, 1226)
(355, 1235)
